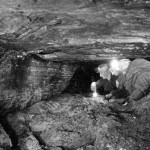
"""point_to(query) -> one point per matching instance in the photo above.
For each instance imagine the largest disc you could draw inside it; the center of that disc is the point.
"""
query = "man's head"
(119, 66)
(103, 69)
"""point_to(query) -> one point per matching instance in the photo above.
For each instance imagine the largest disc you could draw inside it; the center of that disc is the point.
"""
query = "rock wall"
(25, 81)
(81, 32)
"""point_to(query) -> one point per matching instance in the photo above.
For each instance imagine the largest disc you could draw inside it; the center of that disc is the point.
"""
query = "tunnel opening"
(83, 77)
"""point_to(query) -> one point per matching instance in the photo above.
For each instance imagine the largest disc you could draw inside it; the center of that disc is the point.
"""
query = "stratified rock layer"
(78, 30)
(27, 80)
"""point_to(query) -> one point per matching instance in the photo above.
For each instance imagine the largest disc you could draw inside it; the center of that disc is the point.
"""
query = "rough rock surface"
(5, 142)
(73, 122)
(36, 35)
(78, 30)
(25, 81)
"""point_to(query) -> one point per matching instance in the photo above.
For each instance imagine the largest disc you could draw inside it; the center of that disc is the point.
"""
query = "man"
(134, 76)
(106, 83)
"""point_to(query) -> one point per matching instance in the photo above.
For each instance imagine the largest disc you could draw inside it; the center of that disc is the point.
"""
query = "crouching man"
(134, 76)
(106, 83)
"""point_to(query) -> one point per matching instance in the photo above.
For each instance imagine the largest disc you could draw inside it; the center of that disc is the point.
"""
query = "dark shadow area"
(83, 77)
(12, 135)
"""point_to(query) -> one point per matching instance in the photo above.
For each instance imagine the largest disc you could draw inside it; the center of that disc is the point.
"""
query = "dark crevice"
(12, 135)
(41, 142)
(63, 148)
(82, 78)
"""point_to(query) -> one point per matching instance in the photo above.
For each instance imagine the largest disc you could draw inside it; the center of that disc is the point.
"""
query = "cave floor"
(73, 121)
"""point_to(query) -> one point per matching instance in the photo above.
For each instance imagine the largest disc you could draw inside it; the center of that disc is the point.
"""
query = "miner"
(134, 76)
(106, 83)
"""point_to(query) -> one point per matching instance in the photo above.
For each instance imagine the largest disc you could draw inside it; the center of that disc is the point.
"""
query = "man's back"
(137, 78)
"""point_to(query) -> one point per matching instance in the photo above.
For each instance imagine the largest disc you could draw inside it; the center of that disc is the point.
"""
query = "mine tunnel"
(36, 86)
(48, 54)
(83, 77)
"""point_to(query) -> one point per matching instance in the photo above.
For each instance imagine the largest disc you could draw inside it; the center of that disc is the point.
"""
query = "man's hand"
(93, 86)
(108, 96)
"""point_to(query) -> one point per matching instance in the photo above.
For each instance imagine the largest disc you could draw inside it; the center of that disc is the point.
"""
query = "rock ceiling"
(76, 29)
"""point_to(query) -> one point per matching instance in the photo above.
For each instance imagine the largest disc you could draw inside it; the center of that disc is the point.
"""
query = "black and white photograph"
(74, 74)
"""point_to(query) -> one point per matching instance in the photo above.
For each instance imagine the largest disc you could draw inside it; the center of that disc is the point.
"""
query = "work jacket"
(137, 79)
(106, 85)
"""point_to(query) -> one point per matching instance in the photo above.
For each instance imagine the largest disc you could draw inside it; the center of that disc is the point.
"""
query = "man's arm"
(118, 93)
